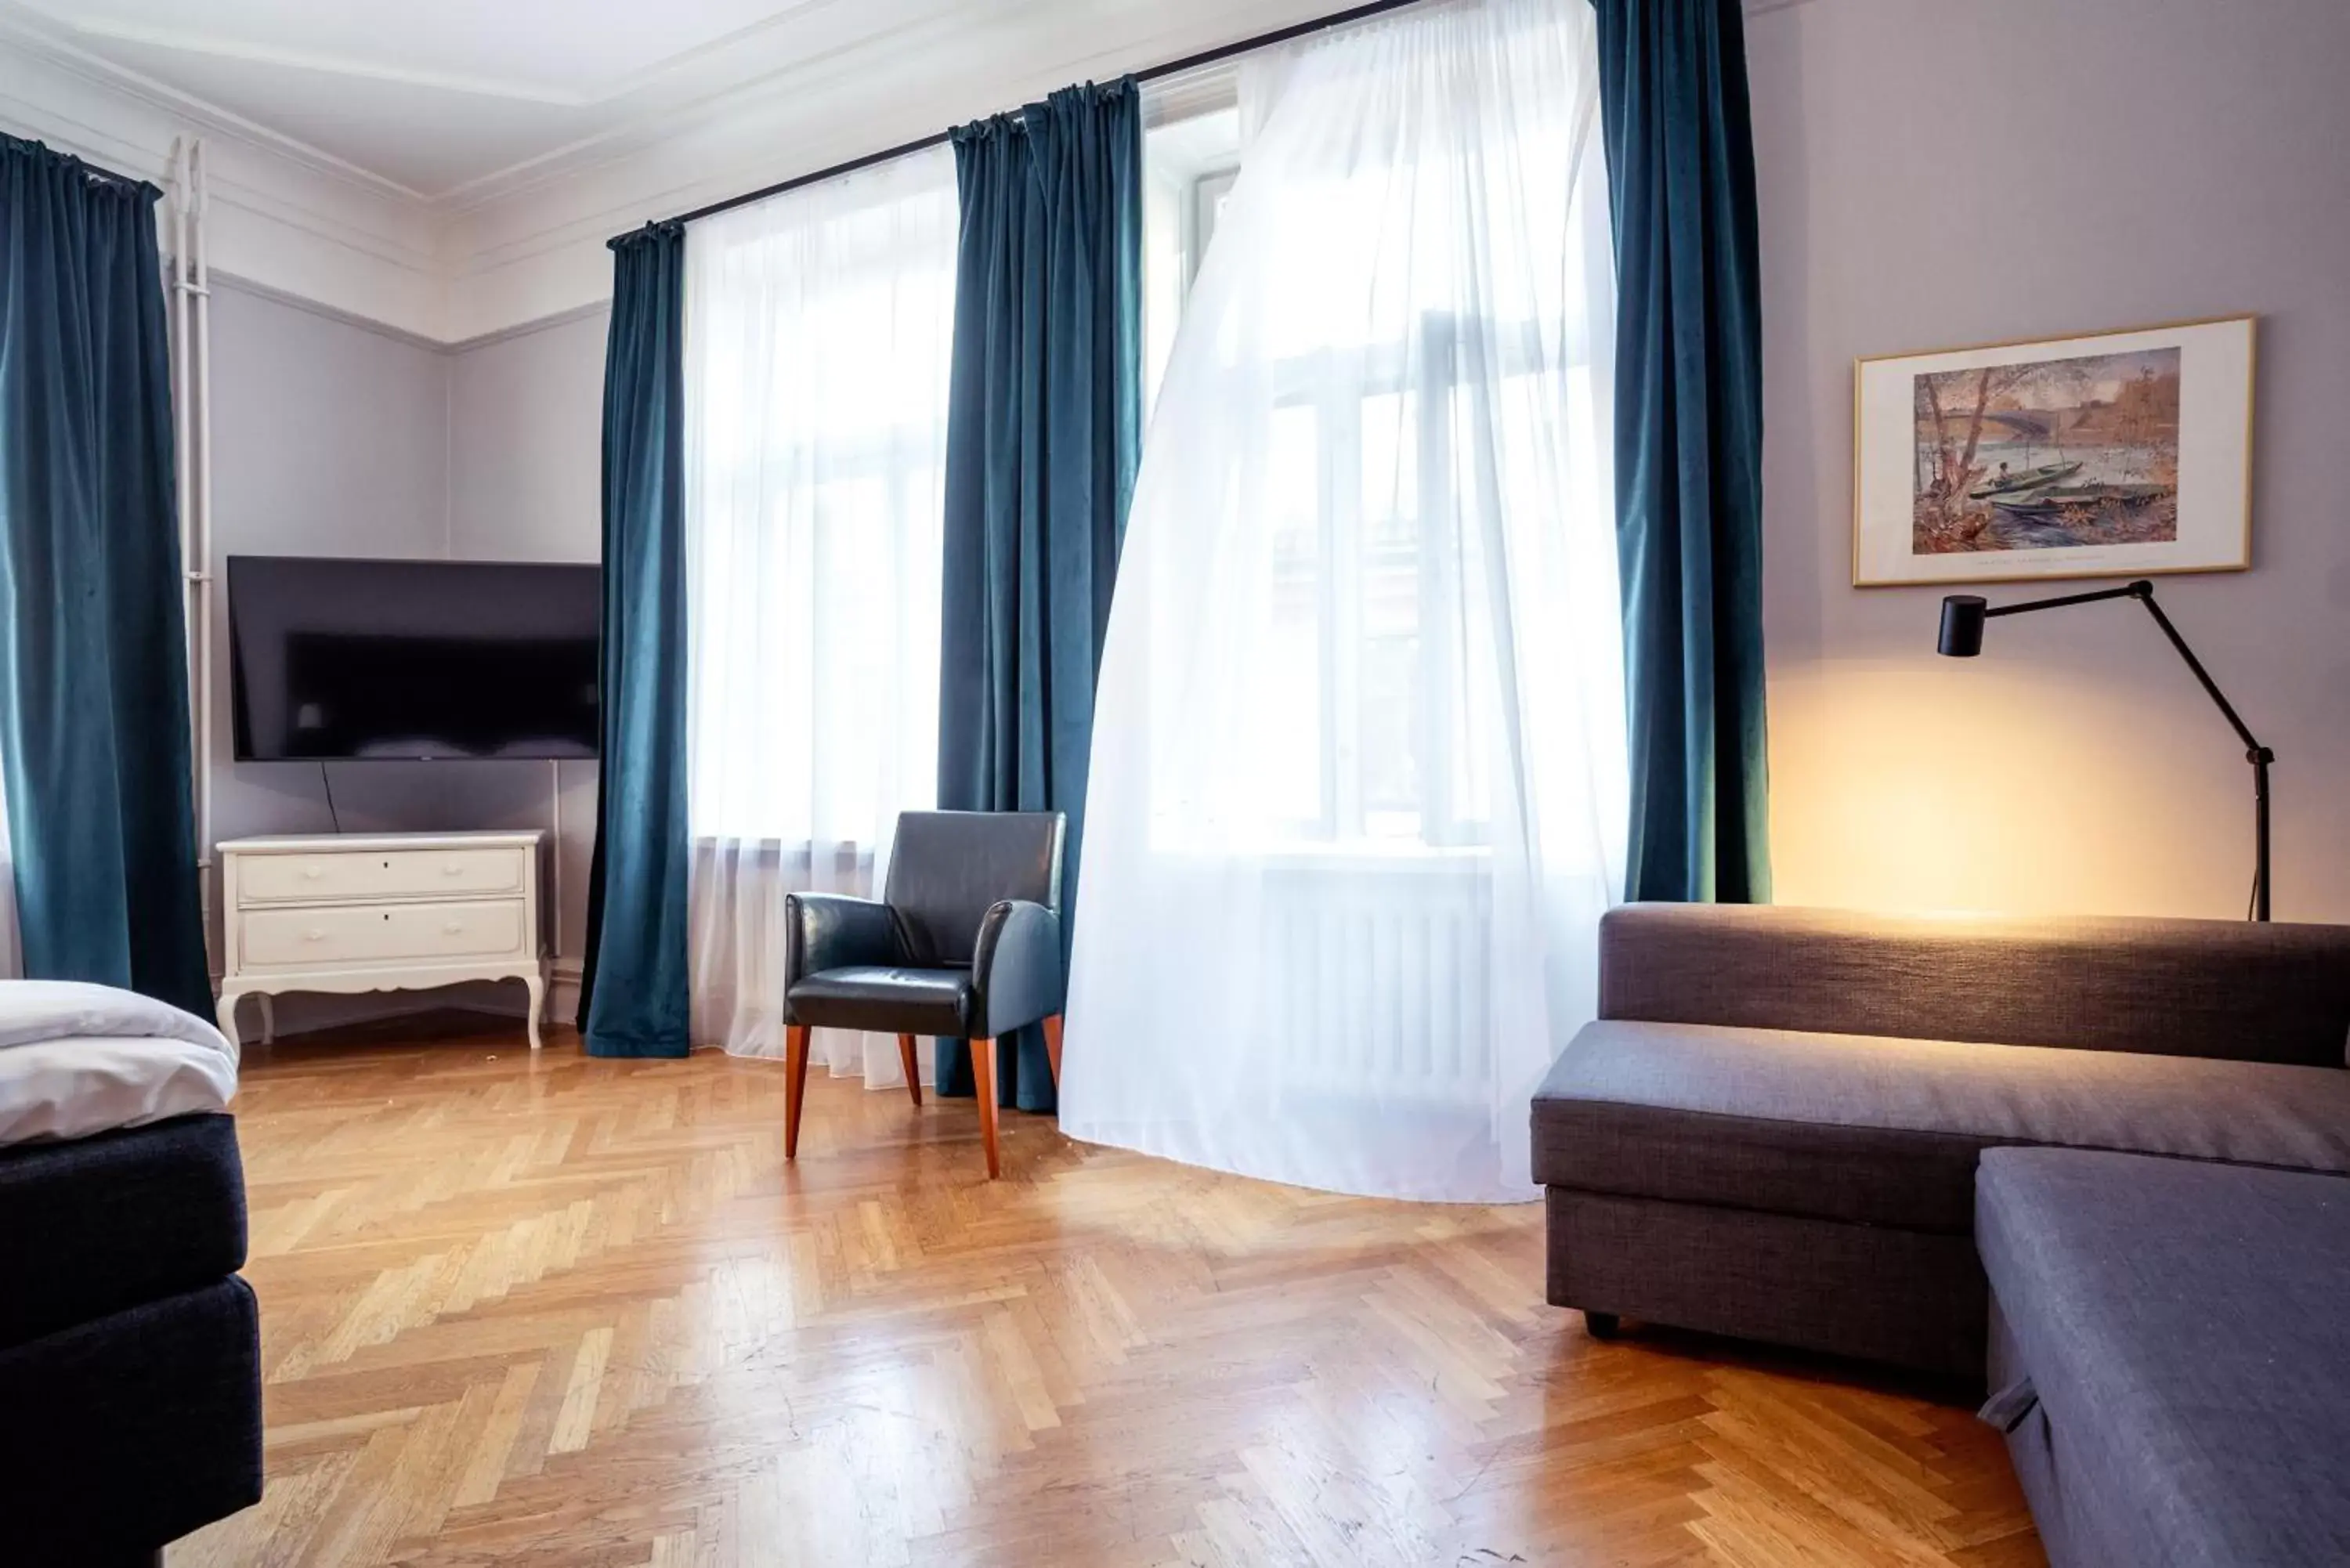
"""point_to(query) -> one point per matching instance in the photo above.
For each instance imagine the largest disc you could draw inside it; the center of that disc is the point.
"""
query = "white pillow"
(78, 1059)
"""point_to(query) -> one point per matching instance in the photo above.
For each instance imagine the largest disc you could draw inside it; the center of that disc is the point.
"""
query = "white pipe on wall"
(192, 407)
(183, 410)
(554, 851)
(200, 164)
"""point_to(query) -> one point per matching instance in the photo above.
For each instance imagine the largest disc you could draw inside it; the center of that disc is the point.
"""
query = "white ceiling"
(442, 98)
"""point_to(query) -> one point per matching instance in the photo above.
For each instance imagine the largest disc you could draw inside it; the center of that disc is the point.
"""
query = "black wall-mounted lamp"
(1963, 616)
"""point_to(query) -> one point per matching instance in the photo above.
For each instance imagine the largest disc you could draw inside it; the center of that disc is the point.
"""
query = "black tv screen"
(335, 659)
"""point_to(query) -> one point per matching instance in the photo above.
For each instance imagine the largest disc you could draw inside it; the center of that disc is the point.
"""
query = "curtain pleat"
(1044, 432)
(633, 995)
(1688, 445)
(93, 652)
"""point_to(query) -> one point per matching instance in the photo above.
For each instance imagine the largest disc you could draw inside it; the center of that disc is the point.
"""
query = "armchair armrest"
(1016, 967)
(826, 930)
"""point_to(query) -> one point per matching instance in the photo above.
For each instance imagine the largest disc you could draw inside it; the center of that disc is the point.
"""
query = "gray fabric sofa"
(2170, 1348)
(1772, 1130)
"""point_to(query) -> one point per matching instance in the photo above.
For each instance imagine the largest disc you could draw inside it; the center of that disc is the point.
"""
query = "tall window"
(1412, 382)
(818, 337)
(818, 331)
(1373, 642)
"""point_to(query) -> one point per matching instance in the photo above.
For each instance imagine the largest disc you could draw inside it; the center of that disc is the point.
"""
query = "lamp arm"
(1956, 638)
(2259, 753)
(2143, 591)
(2130, 592)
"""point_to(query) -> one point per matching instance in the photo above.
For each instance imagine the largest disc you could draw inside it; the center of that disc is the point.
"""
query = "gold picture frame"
(2118, 453)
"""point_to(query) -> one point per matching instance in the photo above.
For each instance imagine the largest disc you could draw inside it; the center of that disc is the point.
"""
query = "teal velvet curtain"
(93, 648)
(1688, 445)
(1044, 431)
(632, 993)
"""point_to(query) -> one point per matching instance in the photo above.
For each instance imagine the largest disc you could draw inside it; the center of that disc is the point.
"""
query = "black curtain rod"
(95, 171)
(1169, 69)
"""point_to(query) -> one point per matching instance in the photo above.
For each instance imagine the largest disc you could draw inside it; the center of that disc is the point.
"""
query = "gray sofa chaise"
(1772, 1130)
(2170, 1348)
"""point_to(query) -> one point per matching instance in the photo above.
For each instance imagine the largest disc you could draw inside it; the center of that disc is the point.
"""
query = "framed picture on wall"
(2119, 454)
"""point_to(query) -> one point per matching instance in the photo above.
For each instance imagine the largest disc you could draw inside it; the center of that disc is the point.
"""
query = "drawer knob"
(314, 936)
(453, 928)
(312, 872)
(453, 869)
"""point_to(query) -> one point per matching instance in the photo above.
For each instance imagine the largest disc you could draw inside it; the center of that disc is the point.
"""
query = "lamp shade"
(1962, 626)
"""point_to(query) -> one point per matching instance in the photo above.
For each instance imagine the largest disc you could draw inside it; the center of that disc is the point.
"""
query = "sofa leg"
(1602, 1324)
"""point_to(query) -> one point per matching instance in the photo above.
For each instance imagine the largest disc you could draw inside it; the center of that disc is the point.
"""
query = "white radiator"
(1376, 979)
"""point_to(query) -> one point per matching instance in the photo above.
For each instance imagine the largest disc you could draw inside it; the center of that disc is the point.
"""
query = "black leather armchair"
(965, 941)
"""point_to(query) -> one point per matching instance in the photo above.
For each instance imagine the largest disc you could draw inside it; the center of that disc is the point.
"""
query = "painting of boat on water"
(2119, 452)
(2048, 453)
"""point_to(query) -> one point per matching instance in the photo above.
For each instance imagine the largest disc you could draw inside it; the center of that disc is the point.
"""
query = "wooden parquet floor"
(558, 1310)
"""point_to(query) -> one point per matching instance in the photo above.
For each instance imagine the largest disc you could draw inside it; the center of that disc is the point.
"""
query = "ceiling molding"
(528, 328)
(324, 65)
(523, 245)
(647, 76)
(664, 122)
(238, 283)
(66, 27)
(34, 36)
(43, 31)
(282, 221)
(936, 36)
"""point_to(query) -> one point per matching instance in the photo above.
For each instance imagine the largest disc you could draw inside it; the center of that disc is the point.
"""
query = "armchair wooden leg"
(914, 1068)
(795, 1055)
(982, 1069)
(1053, 1046)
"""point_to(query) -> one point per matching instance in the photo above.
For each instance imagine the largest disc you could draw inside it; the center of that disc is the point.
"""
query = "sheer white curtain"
(818, 327)
(1358, 775)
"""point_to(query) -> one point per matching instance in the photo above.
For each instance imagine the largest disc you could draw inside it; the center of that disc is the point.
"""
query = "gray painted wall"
(336, 439)
(1934, 175)
(525, 472)
(328, 439)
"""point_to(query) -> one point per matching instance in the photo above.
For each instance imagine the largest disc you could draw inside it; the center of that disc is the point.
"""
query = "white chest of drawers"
(384, 912)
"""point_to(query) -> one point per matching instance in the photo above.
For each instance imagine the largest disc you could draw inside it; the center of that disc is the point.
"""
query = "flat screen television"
(333, 658)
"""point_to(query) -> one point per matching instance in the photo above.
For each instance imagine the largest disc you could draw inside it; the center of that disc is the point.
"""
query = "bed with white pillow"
(127, 1342)
(78, 1059)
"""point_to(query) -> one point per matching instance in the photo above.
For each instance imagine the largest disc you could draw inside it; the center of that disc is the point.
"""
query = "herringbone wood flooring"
(555, 1311)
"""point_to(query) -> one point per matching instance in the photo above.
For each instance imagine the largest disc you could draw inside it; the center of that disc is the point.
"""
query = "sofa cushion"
(91, 1226)
(1885, 1131)
(2183, 1327)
